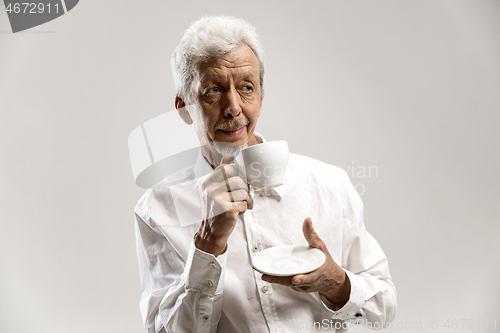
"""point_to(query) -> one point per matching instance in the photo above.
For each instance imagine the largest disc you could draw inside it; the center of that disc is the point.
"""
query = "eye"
(213, 90)
(247, 88)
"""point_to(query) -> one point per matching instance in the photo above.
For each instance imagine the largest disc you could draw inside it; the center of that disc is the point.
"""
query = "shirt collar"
(203, 168)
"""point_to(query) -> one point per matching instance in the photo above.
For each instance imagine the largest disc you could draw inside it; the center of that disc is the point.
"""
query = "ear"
(183, 112)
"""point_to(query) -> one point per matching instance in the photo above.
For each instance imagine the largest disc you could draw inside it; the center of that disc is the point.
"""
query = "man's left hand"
(329, 280)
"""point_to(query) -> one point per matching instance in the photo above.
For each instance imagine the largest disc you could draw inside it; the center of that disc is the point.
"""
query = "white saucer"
(288, 260)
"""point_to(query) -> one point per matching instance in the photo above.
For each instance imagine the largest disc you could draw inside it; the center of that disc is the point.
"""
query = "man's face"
(229, 98)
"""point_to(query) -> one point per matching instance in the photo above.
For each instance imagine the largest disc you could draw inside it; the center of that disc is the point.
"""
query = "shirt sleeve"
(373, 294)
(178, 295)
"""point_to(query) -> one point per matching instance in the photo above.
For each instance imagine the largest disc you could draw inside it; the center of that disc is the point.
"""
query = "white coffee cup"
(263, 165)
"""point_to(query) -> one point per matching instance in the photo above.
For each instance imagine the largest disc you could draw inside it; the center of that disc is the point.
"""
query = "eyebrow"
(208, 78)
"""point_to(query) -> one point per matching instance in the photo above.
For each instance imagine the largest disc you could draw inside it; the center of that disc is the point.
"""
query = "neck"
(254, 140)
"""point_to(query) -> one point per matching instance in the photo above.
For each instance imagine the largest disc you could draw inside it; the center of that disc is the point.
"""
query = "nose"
(233, 107)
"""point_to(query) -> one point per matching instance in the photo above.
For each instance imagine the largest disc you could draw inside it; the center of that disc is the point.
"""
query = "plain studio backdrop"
(404, 95)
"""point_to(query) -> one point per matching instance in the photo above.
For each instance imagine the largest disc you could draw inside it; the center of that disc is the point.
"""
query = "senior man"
(197, 276)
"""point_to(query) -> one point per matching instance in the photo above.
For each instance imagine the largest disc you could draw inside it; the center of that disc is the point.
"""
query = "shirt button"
(210, 283)
(255, 248)
(213, 265)
(205, 317)
(265, 289)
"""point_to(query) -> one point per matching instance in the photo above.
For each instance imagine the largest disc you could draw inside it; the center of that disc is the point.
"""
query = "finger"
(222, 188)
(223, 172)
(248, 199)
(304, 289)
(235, 189)
(305, 279)
(216, 181)
(241, 206)
(311, 236)
(243, 196)
(228, 188)
(225, 205)
(298, 280)
(229, 170)
(237, 183)
(237, 196)
(282, 280)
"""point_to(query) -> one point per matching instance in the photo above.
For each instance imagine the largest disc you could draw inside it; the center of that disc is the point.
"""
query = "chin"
(227, 148)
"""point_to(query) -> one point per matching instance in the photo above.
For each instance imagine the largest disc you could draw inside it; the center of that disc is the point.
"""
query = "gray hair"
(209, 38)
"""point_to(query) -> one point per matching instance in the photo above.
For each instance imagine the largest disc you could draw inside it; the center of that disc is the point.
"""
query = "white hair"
(209, 38)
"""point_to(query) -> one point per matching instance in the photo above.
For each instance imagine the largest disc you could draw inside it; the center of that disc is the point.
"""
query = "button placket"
(252, 229)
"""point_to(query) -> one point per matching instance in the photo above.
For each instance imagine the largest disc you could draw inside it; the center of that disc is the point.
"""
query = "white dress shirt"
(187, 290)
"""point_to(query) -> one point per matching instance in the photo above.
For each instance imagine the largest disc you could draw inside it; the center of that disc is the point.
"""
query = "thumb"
(226, 159)
(311, 236)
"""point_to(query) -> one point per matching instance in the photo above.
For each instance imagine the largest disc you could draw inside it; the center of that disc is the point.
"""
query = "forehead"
(239, 63)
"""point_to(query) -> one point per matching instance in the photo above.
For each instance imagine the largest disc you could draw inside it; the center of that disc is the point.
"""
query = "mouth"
(233, 131)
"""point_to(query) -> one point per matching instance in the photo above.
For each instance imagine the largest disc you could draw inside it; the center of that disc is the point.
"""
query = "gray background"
(410, 88)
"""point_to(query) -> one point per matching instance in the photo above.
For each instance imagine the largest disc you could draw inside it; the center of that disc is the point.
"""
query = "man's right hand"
(227, 196)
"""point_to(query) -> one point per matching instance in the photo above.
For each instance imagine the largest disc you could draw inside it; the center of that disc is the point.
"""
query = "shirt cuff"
(353, 308)
(204, 271)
